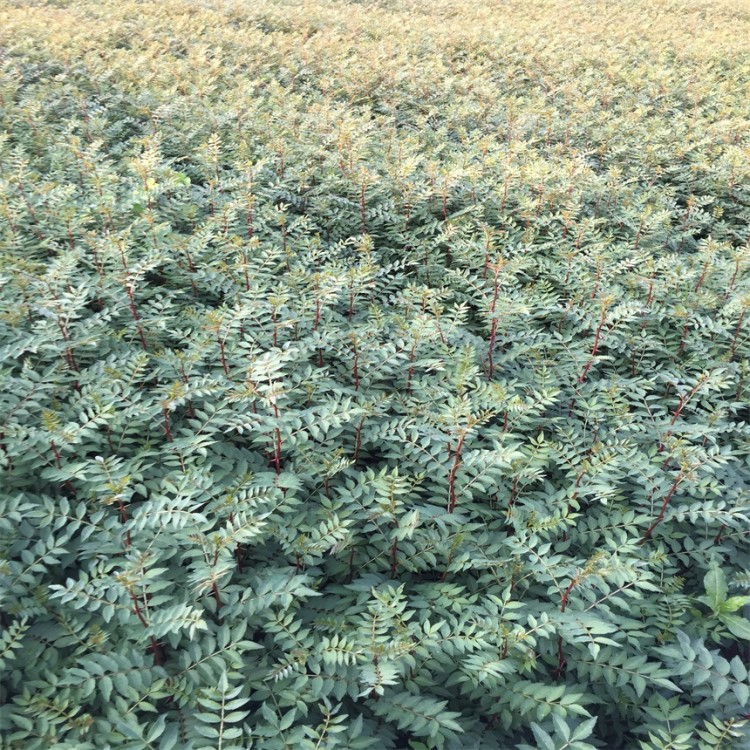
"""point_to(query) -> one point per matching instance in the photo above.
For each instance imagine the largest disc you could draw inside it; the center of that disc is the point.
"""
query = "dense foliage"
(374, 375)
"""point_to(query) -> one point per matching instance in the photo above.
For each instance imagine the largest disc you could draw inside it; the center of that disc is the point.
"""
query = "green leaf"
(738, 626)
(733, 603)
(543, 738)
(715, 583)
(584, 729)
(742, 692)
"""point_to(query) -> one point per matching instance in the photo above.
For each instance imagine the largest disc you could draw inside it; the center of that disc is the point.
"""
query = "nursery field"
(374, 375)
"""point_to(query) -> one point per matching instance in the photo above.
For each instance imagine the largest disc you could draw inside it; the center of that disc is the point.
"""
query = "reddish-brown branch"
(277, 442)
(167, 428)
(355, 368)
(702, 277)
(678, 411)
(734, 277)
(55, 452)
(136, 317)
(594, 348)
(513, 492)
(452, 475)
(683, 339)
(505, 195)
(69, 356)
(493, 331)
(217, 597)
(247, 275)
(139, 614)
(410, 372)
(190, 411)
(665, 503)
(223, 355)
(561, 661)
(566, 594)
(316, 321)
(124, 519)
(362, 206)
(638, 234)
(737, 334)
(358, 440)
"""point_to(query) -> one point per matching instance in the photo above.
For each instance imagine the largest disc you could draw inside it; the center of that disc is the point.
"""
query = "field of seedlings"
(374, 374)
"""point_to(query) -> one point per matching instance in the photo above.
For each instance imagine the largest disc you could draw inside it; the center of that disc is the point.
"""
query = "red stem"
(702, 277)
(410, 373)
(664, 505)
(734, 277)
(56, 452)
(136, 317)
(244, 268)
(363, 215)
(452, 475)
(277, 443)
(215, 590)
(594, 349)
(124, 519)
(355, 368)
(566, 594)
(316, 322)
(493, 331)
(683, 340)
(167, 429)
(223, 356)
(154, 646)
(358, 441)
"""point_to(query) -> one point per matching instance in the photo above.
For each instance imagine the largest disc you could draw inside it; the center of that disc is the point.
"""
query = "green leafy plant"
(374, 375)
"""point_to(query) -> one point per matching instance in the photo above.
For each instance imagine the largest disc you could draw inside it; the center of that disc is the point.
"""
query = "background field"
(374, 375)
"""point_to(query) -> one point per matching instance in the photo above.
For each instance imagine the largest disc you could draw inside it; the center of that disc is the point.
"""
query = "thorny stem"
(167, 428)
(563, 604)
(362, 206)
(316, 321)
(734, 277)
(277, 442)
(493, 331)
(124, 519)
(355, 367)
(594, 348)
(358, 440)
(665, 503)
(217, 597)
(223, 355)
(410, 372)
(56, 453)
(702, 277)
(717, 538)
(680, 406)
(453, 472)
(136, 317)
(683, 340)
(139, 614)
